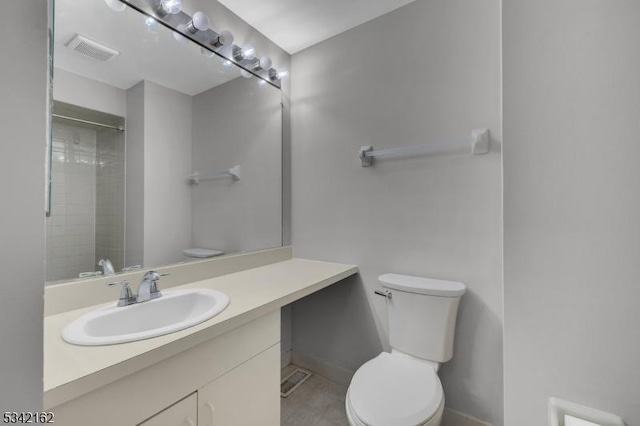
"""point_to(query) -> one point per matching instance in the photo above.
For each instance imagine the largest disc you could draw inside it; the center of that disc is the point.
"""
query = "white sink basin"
(174, 311)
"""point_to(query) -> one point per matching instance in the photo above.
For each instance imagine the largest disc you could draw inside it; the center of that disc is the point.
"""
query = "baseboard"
(321, 368)
(455, 418)
(285, 359)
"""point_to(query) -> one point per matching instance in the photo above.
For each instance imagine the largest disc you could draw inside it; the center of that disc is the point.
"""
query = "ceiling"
(155, 56)
(151, 55)
(295, 25)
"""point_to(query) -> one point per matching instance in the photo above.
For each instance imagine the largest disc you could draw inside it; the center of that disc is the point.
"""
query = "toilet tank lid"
(201, 253)
(420, 285)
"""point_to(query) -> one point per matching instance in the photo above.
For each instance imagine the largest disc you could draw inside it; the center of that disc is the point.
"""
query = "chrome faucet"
(148, 288)
(126, 296)
(107, 267)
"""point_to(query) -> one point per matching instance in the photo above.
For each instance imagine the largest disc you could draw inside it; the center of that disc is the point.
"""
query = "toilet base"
(435, 420)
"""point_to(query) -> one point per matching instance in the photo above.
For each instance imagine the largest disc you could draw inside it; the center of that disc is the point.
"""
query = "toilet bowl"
(402, 388)
(395, 390)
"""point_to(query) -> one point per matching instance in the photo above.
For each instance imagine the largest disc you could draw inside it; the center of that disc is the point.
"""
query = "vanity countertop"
(71, 371)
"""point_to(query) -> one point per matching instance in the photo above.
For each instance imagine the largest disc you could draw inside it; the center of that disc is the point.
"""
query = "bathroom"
(541, 229)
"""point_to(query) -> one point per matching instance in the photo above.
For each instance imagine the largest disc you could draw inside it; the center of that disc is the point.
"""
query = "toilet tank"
(422, 315)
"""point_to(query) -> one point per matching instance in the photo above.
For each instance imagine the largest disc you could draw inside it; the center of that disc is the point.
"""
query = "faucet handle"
(152, 277)
(126, 295)
(131, 268)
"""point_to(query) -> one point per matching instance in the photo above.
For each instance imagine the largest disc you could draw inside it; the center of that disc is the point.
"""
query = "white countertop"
(71, 371)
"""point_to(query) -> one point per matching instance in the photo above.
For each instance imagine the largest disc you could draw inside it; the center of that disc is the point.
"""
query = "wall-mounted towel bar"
(197, 177)
(478, 142)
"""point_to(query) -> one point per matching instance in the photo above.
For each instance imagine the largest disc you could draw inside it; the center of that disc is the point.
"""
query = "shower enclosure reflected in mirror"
(146, 127)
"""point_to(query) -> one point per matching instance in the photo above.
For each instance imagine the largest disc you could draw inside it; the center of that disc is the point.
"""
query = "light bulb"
(261, 82)
(248, 52)
(246, 74)
(226, 51)
(116, 5)
(199, 22)
(265, 62)
(226, 63)
(151, 24)
(225, 38)
(171, 6)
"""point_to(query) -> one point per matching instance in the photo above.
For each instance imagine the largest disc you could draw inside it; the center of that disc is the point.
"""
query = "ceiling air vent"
(91, 49)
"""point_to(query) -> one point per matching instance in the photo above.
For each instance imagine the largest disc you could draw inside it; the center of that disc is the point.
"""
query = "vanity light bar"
(221, 44)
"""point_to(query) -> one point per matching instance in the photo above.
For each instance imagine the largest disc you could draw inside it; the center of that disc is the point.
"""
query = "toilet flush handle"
(385, 293)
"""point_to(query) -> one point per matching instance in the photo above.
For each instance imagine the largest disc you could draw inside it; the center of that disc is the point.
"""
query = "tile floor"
(316, 402)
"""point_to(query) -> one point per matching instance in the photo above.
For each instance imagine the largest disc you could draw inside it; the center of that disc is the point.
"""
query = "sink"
(174, 311)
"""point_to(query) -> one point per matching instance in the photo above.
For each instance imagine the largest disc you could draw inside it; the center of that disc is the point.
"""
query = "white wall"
(167, 165)
(23, 118)
(223, 18)
(238, 123)
(77, 90)
(572, 206)
(158, 212)
(134, 181)
(427, 72)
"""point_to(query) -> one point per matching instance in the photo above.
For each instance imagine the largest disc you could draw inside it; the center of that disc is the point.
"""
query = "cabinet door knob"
(211, 410)
(189, 422)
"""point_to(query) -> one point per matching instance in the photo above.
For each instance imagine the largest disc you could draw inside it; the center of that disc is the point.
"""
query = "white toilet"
(402, 388)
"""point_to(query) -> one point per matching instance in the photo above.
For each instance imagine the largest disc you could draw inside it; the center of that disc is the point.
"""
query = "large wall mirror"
(161, 152)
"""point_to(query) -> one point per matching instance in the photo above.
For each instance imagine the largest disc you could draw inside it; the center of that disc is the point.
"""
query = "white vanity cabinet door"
(183, 413)
(248, 395)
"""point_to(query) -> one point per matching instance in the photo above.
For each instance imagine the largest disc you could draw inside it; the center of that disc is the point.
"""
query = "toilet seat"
(395, 390)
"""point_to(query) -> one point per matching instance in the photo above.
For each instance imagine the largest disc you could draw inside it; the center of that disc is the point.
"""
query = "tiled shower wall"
(71, 237)
(110, 187)
(87, 200)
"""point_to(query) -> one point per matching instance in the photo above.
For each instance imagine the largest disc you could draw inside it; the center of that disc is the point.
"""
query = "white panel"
(565, 413)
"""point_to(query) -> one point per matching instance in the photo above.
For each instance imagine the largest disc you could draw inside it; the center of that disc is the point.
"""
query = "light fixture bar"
(208, 39)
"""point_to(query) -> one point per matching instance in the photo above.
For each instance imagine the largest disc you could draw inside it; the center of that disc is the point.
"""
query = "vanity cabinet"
(183, 413)
(247, 395)
(229, 380)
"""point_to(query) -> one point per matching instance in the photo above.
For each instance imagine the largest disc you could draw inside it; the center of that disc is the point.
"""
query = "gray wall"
(158, 167)
(223, 18)
(134, 193)
(238, 123)
(23, 118)
(167, 165)
(571, 131)
(427, 72)
(77, 90)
